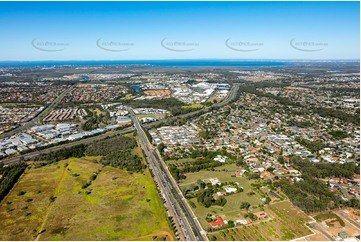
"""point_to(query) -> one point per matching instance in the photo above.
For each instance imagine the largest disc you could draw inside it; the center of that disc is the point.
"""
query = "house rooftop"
(219, 221)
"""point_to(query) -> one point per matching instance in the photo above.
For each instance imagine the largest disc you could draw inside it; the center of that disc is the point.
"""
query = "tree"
(354, 203)
(230, 223)
(252, 216)
(212, 238)
(161, 147)
(245, 205)
(240, 162)
(268, 200)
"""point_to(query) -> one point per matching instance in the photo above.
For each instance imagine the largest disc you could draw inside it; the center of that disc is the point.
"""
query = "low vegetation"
(114, 204)
(332, 216)
(285, 222)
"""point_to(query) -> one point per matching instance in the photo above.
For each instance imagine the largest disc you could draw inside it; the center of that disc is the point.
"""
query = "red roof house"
(219, 221)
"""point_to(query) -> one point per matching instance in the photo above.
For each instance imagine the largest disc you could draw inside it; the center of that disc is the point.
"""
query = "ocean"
(162, 63)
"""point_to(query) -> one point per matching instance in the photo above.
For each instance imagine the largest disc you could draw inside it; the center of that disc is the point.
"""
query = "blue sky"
(189, 30)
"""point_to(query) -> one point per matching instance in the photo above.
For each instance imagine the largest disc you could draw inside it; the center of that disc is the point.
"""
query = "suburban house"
(219, 222)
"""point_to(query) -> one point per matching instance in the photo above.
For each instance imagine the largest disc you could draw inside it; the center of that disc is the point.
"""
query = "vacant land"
(334, 223)
(53, 200)
(152, 115)
(193, 106)
(285, 223)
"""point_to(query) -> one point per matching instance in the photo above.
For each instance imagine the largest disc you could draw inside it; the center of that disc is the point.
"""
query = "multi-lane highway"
(231, 96)
(187, 225)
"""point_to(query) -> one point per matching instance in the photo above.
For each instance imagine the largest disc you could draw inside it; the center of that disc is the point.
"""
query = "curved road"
(231, 96)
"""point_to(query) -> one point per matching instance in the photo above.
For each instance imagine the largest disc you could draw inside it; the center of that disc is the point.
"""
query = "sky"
(179, 30)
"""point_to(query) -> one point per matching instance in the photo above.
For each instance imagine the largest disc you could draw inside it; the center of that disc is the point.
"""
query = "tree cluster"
(196, 166)
(124, 159)
(106, 146)
(206, 198)
(313, 146)
(324, 170)
(95, 120)
(9, 175)
(311, 195)
(65, 153)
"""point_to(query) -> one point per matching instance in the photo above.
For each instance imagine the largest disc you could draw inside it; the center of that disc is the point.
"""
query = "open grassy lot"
(285, 223)
(116, 206)
(196, 105)
(231, 210)
(151, 115)
(223, 173)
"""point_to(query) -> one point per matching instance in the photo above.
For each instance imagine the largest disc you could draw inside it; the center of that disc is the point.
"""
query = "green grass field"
(151, 115)
(196, 105)
(286, 222)
(113, 207)
(231, 211)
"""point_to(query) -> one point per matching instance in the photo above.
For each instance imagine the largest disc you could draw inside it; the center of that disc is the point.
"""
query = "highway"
(67, 145)
(230, 97)
(186, 224)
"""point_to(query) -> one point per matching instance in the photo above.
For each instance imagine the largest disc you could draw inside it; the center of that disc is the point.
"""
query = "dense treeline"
(206, 198)
(313, 146)
(176, 173)
(179, 111)
(172, 104)
(195, 166)
(106, 146)
(325, 170)
(74, 151)
(204, 153)
(207, 133)
(124, 159)
(300, 124)
(9, 175)
(338, 134)
(116, 152)
(330, 112)
(165, 103)
(201, 164)
(311, 195)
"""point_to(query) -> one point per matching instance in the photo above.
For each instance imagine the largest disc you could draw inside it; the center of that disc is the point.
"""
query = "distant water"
(163, 63)
(136, 88)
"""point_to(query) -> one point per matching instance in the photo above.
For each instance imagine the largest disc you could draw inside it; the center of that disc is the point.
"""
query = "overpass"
(230, 97)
